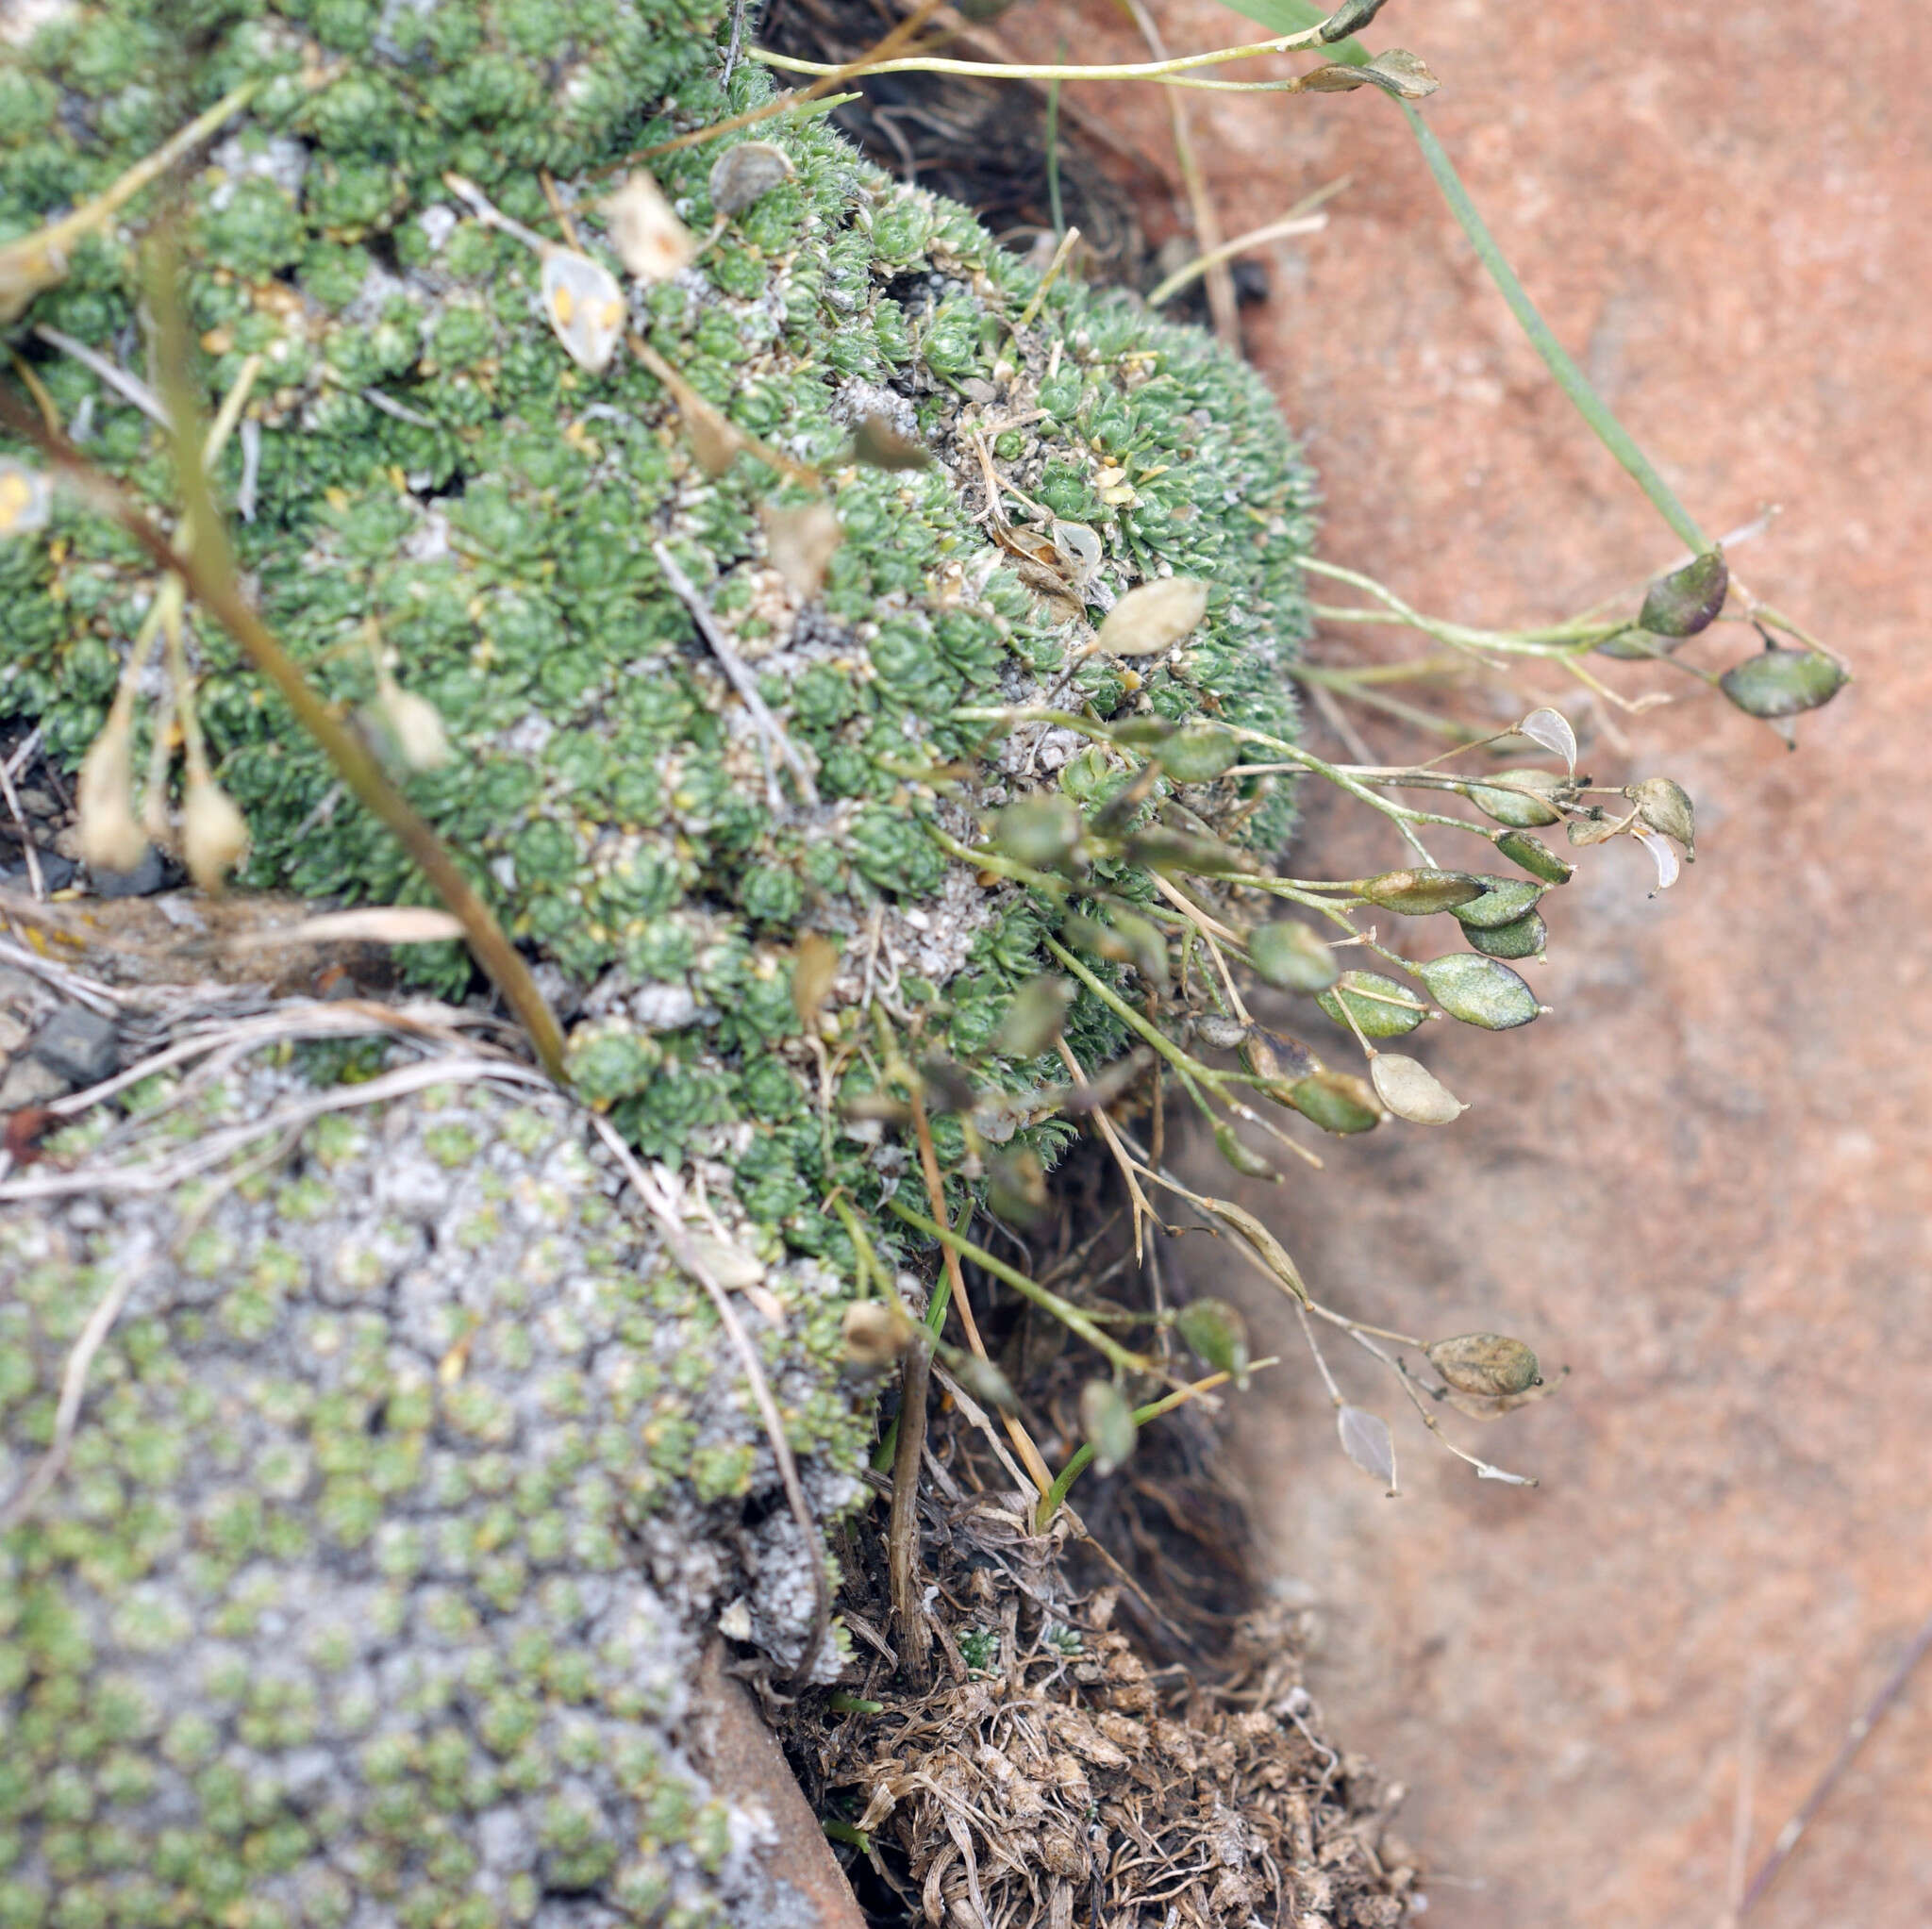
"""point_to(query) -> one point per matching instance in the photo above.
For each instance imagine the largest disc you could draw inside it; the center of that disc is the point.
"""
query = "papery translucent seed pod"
(214, 834)
(584, 306)
(747, 172)
(1016, 1186)
(650, 241)
(1502, 901)
(1153, 618)
(415, 724)
(1412, 1091)
(875, 1332)
(1689, 599)
(1479, 990)
(1782, 683)
(1421, 892)
(1033, 1017)
(1488, 1364)
(1221, 1032)
(1290, 957)
(1161, 849)
(1198, 753)
(25, 501)
(1108, 1422)
(1535, 857)
(1666, 807)
(982, 1380)
(880, 445)
(1241, 1157)
(1338, 1101)
(111, 838)
(1217, 1335)
(1040, 832)
(801, 540)
(1520, 799)
(1270, 1056)
(1524, 936)
(1380, 1008)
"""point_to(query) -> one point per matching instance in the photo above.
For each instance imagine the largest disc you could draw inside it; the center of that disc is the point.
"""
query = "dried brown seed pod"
(1489, 1364)
(744, 173)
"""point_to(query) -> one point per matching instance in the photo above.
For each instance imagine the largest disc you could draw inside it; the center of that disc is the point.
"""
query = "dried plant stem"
(1300, 220)
(902, 1531)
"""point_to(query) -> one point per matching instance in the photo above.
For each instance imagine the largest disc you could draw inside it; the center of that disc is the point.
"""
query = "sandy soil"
(1703, 1181)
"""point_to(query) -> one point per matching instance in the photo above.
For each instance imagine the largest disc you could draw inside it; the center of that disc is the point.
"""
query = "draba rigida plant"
(844, 675)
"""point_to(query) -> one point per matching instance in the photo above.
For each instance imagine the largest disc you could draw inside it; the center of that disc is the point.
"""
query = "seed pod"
(1502, 901)
(1635, 646)
(1488, 1364)
(814, 968)
(1348, 18)
(1478, 990)
(1524, 936)
(801, 541)
(1412, 1091)
(1108, 1422)
(1535, 857)
(1040, 832)
(1290, 957)
(1268, 1055)
(584, 306)
(875, 1332)
(1781, 683)
(982, 1379)
(110, 840)
(1161, 849)
(415, 724)
(1248, 1163)
(743, 174)
(1222, 1033)
(25, 501)
(1033, 1017)
(1379, 1005)
(1217, 1335)
(1153, 618)
(214, 835)
(1666, 807)
(1198, 753)
(880, 445)
(1516, 799)
(1016, 1186)
(1337, 1101)
(1128, 941)
(1142, 733)
(650, 241)
(1689, 599)
(1420, 893)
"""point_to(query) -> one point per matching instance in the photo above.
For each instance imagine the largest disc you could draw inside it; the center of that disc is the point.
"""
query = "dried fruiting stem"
(902, 1532)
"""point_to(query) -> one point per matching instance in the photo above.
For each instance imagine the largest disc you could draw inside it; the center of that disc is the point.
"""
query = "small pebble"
(80, 1045)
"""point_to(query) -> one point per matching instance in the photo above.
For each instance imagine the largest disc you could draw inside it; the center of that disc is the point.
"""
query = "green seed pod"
(1198, 753)
(1490, 1365)
(1637, 646)
(1379, 1005)
(1517, 798)
(1128, 941)
(1666, 807)
(1153, 618)
(1016, 1186)
(1478, 990)
(1108, 1422)
(1217, 1335)
(1523, 936)
(1420, 893)
(1269, 1055)
(1338, 1101)
(1412, 1091)
(1348, 18)
(1033, 1019)
(981, 1379)
(877, 445)
(1290, 957)
(1535, 857)
(1689, 599)
(1780, 683)
(1502, 901)
(1248, 1163)
(1142, 733)
(1042, 832)
(1160, 849)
